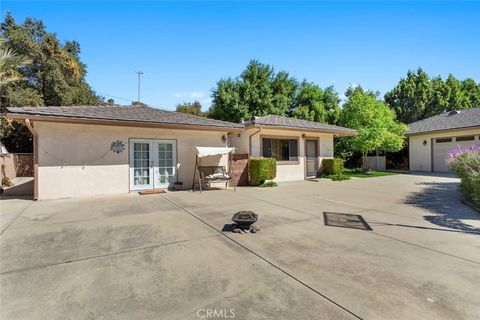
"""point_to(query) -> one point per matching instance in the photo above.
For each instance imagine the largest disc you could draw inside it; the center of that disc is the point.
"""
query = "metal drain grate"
(345, 220)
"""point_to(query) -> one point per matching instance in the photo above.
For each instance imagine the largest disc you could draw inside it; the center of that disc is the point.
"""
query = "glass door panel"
(165, 164)
(140, 165)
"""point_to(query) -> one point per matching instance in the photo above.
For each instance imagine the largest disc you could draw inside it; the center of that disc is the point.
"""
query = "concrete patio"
(165, 257)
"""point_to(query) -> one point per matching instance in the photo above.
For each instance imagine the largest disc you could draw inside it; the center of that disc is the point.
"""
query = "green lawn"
(349, 172)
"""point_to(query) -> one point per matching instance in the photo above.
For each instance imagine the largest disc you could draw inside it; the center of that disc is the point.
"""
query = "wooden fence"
(15, 165)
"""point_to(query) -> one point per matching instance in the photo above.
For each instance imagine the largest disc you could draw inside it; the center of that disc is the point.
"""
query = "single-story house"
(429, 140)
(97, 150)
(298, 145)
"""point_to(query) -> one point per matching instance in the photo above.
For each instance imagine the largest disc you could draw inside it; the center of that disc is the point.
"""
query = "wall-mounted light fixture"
(224, 139)
(304, 135)
(424, 142)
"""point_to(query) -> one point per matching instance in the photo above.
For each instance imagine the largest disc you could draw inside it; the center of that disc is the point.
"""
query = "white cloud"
(207, 101)
(191, 94)
(196, 94)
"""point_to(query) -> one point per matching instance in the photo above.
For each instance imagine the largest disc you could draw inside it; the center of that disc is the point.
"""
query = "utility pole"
(139, 73)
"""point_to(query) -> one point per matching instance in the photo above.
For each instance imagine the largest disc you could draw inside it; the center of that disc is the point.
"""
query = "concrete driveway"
(165, 257)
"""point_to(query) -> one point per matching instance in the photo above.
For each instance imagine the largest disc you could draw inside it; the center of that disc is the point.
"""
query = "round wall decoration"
(117, 146)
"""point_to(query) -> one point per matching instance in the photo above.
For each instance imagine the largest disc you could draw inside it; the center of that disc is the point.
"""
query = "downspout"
(250, 141)
(35, 158)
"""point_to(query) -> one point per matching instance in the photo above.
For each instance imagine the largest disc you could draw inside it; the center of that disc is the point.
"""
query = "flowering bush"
(466, 164)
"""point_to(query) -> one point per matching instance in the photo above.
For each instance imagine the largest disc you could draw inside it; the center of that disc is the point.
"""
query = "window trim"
(466, 136)
(282, 162)
(444, 138)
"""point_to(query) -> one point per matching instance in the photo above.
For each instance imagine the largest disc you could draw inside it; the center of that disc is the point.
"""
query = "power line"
(130, 100)
(116, 97)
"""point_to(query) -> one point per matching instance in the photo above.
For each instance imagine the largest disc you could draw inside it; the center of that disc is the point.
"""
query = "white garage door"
(441, 146)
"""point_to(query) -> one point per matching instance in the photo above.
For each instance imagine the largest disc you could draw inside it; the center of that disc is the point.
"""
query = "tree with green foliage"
(411, 97)
(309, 103)
(259, 91)
(227, 104)
(331, 103)
(284, 89)
(10, 64)
(255, 88)
(55, 76)
(417, 96)
(315, 104)
(471, 91)
(375, 123)
(194, 108)
(139, 104)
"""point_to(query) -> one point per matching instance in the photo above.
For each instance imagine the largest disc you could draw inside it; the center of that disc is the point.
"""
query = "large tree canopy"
(194, 108)
(259, 91)
(375, 122)
(54, 76)
(314, 104)
(417, 96)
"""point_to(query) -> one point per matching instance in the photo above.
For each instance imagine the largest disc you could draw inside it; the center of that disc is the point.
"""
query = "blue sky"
(184, 48)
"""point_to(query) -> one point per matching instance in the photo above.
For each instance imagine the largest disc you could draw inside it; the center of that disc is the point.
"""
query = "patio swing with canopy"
(212, 173)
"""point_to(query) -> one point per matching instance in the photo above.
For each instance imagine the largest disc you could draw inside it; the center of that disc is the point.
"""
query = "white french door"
(152, 164)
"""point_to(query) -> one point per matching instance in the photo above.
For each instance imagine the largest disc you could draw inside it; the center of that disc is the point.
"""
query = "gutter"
(441, 130)
(334, 132)
(122, 123)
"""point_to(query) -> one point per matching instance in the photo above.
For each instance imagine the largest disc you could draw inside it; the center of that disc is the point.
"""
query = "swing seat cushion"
(213, 173)
(217, 176)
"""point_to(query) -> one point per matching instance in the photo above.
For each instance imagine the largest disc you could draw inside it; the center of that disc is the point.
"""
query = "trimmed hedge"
(331, 166)
(470, 187)
(262, 169)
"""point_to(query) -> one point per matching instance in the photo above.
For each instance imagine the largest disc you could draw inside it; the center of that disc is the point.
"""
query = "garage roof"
(450, 120)
(139, 114)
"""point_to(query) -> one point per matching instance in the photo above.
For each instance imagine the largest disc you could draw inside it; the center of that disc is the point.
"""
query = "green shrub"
(339, 177)
(331, 166)
(6, 182)
(466, 164)
(268, 184)
(262, 169)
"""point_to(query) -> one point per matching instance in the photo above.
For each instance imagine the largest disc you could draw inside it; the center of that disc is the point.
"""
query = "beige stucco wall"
(420, 156)
(286, 171)
(75, 159)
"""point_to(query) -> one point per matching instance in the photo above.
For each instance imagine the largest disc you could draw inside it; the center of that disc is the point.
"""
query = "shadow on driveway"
(444, 199)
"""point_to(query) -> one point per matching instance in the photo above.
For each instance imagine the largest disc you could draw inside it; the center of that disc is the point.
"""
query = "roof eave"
(441, 130)
(334, 132)
(122, 123)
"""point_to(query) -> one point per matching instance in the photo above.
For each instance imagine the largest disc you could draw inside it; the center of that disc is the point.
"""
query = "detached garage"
(431, 139)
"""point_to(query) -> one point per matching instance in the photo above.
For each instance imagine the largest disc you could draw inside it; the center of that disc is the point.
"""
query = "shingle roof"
(446, 121)
(123, 113)
(286, 122)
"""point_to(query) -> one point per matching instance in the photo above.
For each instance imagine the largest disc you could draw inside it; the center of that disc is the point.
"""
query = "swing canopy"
(208, 174)
(212, 151)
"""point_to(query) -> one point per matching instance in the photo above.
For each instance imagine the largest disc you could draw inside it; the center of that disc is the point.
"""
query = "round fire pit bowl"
(244, 219)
